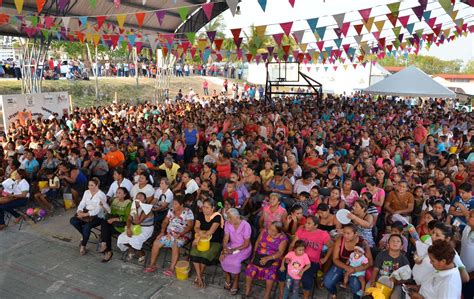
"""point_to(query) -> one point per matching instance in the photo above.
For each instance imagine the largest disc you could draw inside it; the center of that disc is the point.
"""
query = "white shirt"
(20, 187)
(115, 185)
(92, 203)
(148, 190)
(191, 187)
(467, 248)
(442, 285)
(168, 197)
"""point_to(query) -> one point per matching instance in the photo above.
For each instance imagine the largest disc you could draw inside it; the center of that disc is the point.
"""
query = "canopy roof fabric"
(171, 22)
(410, 82)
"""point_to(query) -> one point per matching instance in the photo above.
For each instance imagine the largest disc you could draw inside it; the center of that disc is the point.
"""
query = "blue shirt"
(190, 137)
(467, 204)
(30, 166)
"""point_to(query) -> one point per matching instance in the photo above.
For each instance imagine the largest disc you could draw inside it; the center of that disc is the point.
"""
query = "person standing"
(205, 87)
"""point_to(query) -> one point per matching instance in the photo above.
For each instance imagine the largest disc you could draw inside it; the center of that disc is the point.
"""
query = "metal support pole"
(96, 76)
(136, 65)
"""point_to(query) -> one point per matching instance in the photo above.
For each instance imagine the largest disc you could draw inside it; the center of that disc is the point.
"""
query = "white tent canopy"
(410, 82)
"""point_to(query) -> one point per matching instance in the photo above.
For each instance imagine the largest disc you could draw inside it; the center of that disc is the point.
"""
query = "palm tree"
(254, 43)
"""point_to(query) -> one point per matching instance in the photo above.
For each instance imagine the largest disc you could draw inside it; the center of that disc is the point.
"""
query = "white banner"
(31, 106)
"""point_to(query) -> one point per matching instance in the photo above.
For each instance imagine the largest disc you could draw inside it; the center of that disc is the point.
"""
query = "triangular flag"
(345, 28)
(286, 49)
(66, 22)
(19, 6)
(454, 14)
(313, 23)
(394, 7)
(100, 21)
(260, 30)
(238, 42)
(298, 35)
(96, 38)
(62, 4)
(286, 27)
(191, 36)
(232, 5)
(278, 37)
(303, 47)
(160, 15)
(263, 4)
(338, 42)
(121, 20)
(236, 33)
(93, 4)
(320, 32)
(183, 13)
(358, 28)
(201, 44)
(39, 5)
(132, 38)
(369, 23)
(339, 18)
(211, 35)
(379, 25)
(418, 11)
(365, 13)
(446, 5)
(427, 15)
(218, 43)
(140, 16)
(397, 30)
(292, 3)
(410, 28)
(404, 20)
(83, 21)
(207, 8)
(152, 41)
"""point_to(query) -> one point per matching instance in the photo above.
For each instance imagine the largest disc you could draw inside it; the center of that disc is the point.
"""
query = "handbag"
(258, 257)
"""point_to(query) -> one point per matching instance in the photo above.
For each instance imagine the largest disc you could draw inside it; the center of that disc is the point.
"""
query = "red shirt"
(314, 241)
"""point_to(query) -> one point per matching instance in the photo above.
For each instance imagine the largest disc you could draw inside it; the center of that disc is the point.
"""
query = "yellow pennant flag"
(447, 32)
(202, 43)
(96, 38)
(369, 23)
(233, 57)
(19, 5)
(345, 66)
(89, 37)
(315, 57)
(180, 51)
(454, 14)
(121, 20)
(260, 30)
(379, 25)
(303, 47)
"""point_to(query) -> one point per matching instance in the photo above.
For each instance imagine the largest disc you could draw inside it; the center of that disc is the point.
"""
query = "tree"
(469, 68)
(429, 64)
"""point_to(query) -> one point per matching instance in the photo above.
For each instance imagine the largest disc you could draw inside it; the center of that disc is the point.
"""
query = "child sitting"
(298, 262)
(395, 229)
(356, 259)
(230, 193)
(51, 191)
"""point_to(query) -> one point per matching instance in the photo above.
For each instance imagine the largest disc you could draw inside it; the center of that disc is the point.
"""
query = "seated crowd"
(300, 193)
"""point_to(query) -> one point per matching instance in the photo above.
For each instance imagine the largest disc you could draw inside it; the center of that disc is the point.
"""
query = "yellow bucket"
(68, 203)
(204, 244)
(453, 149)
(182, 270)
(386, 291)
(42, 184)
(376, 293)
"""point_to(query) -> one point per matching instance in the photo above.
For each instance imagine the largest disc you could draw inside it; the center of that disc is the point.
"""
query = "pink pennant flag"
(365, 13)
(207, 8)
(286, 27)
(292, 3)
(278, 37)
(404, 20)
(345, 28)
(160, 15)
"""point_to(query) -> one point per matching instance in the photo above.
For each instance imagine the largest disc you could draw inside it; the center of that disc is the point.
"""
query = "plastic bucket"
(453, 149)
(182, 270)
(68, 203)
(204, 244)
(376, 293)
(386, 290)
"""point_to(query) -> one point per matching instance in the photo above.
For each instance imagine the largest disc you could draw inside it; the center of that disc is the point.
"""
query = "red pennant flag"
(392, 18)
(404, 20)
(100, 20)
(365, 13)
(4, 18)
(358, 28)
(376, 34)
(139, 46)
(292, 3)
(345, 28)
(320, 45)
(207, 8)
(140, 17)
(236, 34)
(286, 49)
(390, 47)
(218, 43)
(114, 39)
(80, 36)
(286, 27)
(346, 47)
(431, 22)
(278, 37)
(39, 5)
(382, 42)
(249, 56)
(193, 52)
(239, 42)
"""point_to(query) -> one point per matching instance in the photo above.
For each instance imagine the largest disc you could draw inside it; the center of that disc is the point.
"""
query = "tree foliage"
(469, 68)
(429, 64)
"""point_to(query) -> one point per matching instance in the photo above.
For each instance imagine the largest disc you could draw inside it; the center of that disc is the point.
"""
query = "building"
(459, 83)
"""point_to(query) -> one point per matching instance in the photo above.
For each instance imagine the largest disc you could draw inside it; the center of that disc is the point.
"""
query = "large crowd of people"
(299, 192)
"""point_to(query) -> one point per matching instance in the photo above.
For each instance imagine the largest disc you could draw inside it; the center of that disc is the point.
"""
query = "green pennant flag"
(183, 13)
(395, 8)
(446, 5)
(191, 36)
(93, 3)
(34, 21)
(45, 33)
(419, 32)
(397, 30)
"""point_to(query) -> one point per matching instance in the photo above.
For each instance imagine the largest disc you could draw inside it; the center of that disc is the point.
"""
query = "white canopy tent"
(410, 82)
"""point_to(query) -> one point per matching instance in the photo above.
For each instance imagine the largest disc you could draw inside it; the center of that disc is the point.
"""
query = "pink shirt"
(296, 263)
(314, 241)
(270, 216)
(376, 198)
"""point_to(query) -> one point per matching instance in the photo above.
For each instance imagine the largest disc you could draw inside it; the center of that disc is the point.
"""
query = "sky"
(279, 11)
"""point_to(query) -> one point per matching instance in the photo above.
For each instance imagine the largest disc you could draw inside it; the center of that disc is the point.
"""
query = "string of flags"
(341, 41)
